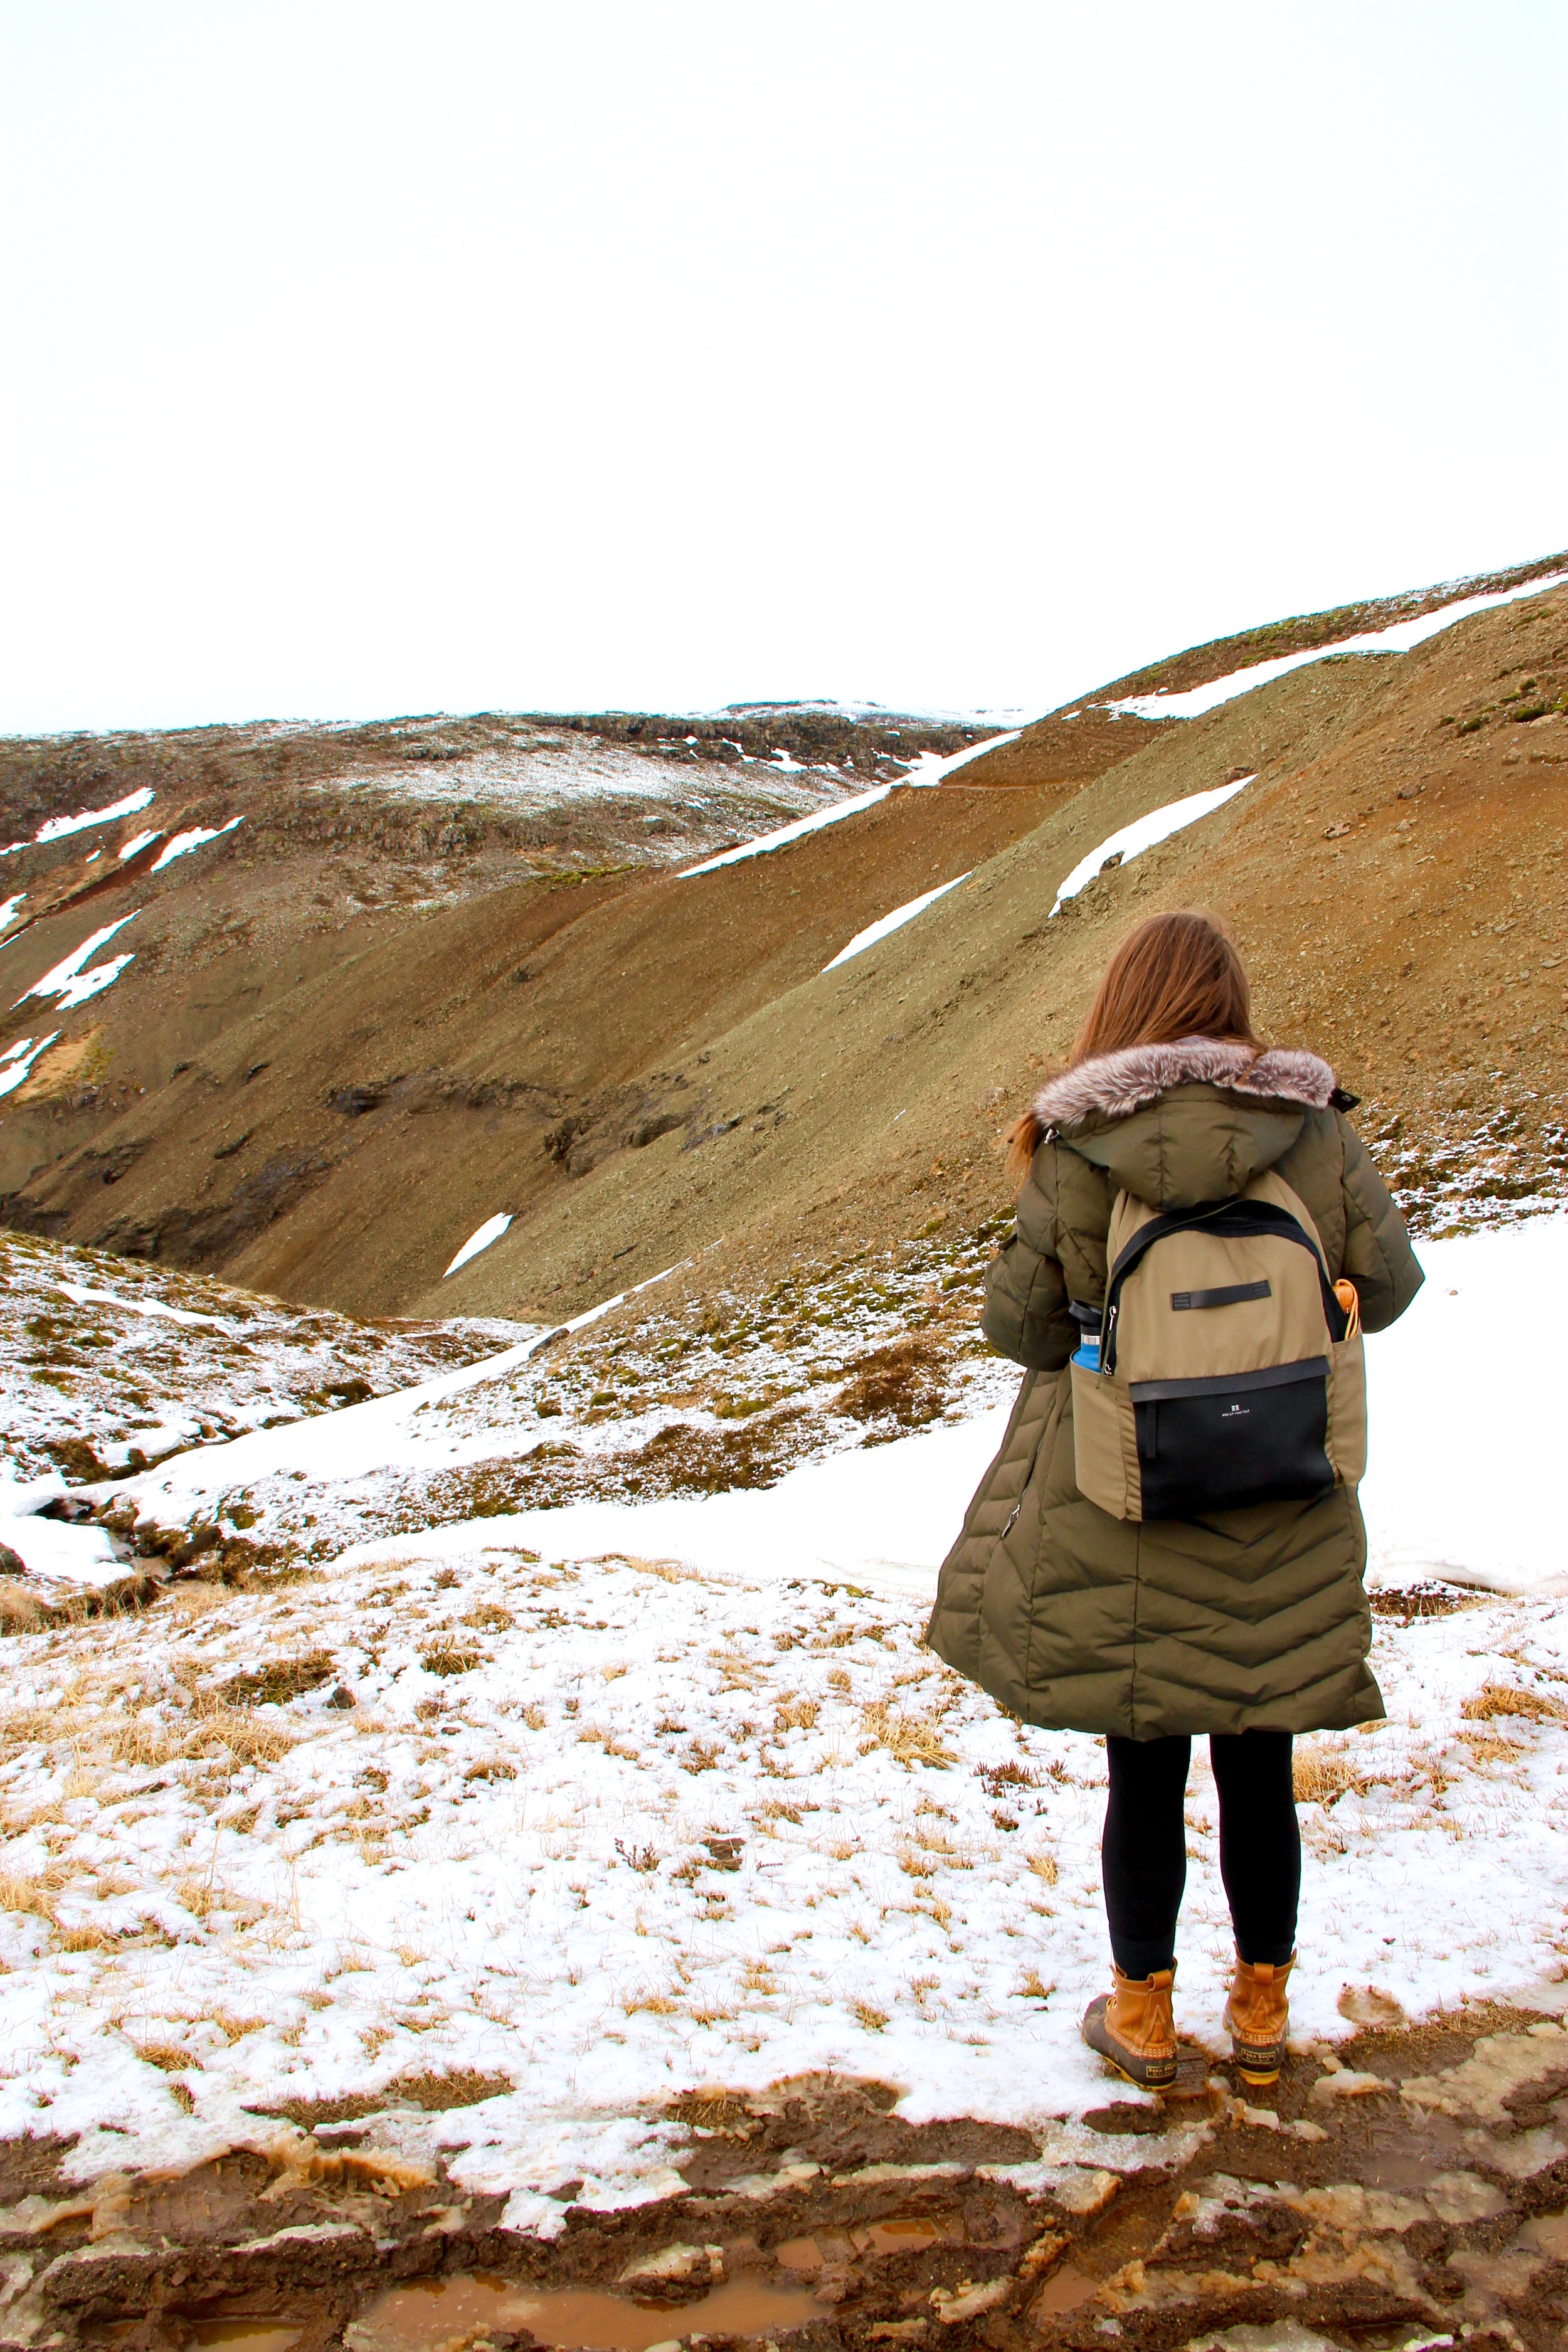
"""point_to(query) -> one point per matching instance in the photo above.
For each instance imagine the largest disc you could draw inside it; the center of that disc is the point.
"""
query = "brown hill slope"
(1394, 879)
(341, 1138)
(671, 1067)
(1084, 740)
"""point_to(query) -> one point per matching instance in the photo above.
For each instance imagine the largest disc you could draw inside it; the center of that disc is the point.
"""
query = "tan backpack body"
(1230, 1371)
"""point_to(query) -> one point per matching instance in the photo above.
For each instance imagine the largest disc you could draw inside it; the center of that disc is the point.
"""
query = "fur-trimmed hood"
(1116, 1085)
(1192, 1121)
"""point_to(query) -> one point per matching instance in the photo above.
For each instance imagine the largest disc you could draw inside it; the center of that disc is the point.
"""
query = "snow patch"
(19, 1059)
(351, 1442)
(184, 842)
(155, 1308)
(491, 1231)
(786, 834)
(1401, 638)
(8, 910)
(894, 922)
(935, 767)
(1145, 831)
(57, 828)
(73, 980)
(136, 845)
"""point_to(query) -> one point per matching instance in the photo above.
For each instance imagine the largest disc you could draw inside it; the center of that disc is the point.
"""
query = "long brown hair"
(1177, 975)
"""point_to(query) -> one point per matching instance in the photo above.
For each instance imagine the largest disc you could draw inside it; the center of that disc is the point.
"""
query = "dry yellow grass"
(736, 1670)
(867, 2014)
(669, 1571)
(1320, 1775)
(1504, 1698)
(909, 1739)
(1490, 1747)
(915, 1864)
(30, 1896)
(657, 2004)
(29, 1726)
(1032, 1986)
(167, 2056)
(934, 1841)
(19, 1610)
(777, 1809)
(234, 2029)
(449, 1657)
(793, 1714)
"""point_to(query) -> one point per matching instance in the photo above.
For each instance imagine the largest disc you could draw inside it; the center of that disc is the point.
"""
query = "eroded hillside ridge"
(320, 1075)
(437, 772)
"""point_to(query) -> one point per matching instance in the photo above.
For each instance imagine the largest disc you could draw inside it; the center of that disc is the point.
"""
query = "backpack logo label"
(1237, 1412)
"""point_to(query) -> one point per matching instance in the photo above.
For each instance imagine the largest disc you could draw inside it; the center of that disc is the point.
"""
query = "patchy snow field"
(657, 1789)
(107, 1363)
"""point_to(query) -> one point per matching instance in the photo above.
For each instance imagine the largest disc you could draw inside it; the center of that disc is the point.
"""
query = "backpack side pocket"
(1105, 1444)
(1347, 1410)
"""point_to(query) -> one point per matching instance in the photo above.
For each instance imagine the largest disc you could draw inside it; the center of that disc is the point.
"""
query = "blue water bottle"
(1087, 1321)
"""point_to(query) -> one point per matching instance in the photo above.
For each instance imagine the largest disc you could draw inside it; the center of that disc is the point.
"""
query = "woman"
(1250, 1624)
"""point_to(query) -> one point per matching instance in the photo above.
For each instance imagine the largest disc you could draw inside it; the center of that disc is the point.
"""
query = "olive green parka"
(1248, 1619)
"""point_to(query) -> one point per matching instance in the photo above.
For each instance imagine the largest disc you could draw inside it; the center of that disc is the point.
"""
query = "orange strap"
(1346, 1292)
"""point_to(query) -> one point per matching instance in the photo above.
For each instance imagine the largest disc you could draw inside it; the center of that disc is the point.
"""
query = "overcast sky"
(375, 358)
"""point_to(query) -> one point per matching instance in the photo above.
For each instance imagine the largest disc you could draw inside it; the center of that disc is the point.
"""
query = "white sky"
(377, 359)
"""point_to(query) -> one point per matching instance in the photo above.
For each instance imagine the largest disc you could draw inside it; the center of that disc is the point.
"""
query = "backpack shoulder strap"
(1271, 1187)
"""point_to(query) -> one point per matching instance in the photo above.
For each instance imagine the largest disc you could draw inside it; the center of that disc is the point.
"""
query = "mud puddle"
(428, 2315)
(243, 2336)
(1410, 2187)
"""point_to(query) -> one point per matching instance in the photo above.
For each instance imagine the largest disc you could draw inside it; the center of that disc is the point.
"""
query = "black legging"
(1143, 1852)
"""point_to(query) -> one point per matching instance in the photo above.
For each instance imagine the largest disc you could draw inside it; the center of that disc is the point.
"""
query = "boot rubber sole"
(1156, 2074)
(1258, 2063)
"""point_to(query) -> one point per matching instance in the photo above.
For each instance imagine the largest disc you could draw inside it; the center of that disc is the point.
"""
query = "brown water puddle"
(245, 2336)
(829, 2250)
(1547, 2234)
(425, 2315)
(1066, 2288)
(1401, 2159)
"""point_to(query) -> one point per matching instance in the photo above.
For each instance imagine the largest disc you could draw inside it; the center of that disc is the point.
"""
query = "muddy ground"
(1407, 2189)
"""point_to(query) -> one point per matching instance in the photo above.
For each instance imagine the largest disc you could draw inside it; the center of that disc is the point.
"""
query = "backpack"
(1230, 1368)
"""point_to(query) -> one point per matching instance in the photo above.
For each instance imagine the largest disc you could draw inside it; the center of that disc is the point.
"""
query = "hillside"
(488, 1856)
(377, 1014)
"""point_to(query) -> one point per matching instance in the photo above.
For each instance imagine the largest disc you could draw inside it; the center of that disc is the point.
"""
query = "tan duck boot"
(1133, 2026)
(1256, 2017)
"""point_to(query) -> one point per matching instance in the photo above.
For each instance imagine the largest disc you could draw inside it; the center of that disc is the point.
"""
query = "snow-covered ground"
(612, 1799)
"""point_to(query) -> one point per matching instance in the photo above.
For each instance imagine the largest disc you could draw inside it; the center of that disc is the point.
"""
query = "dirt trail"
(1409, 2189)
